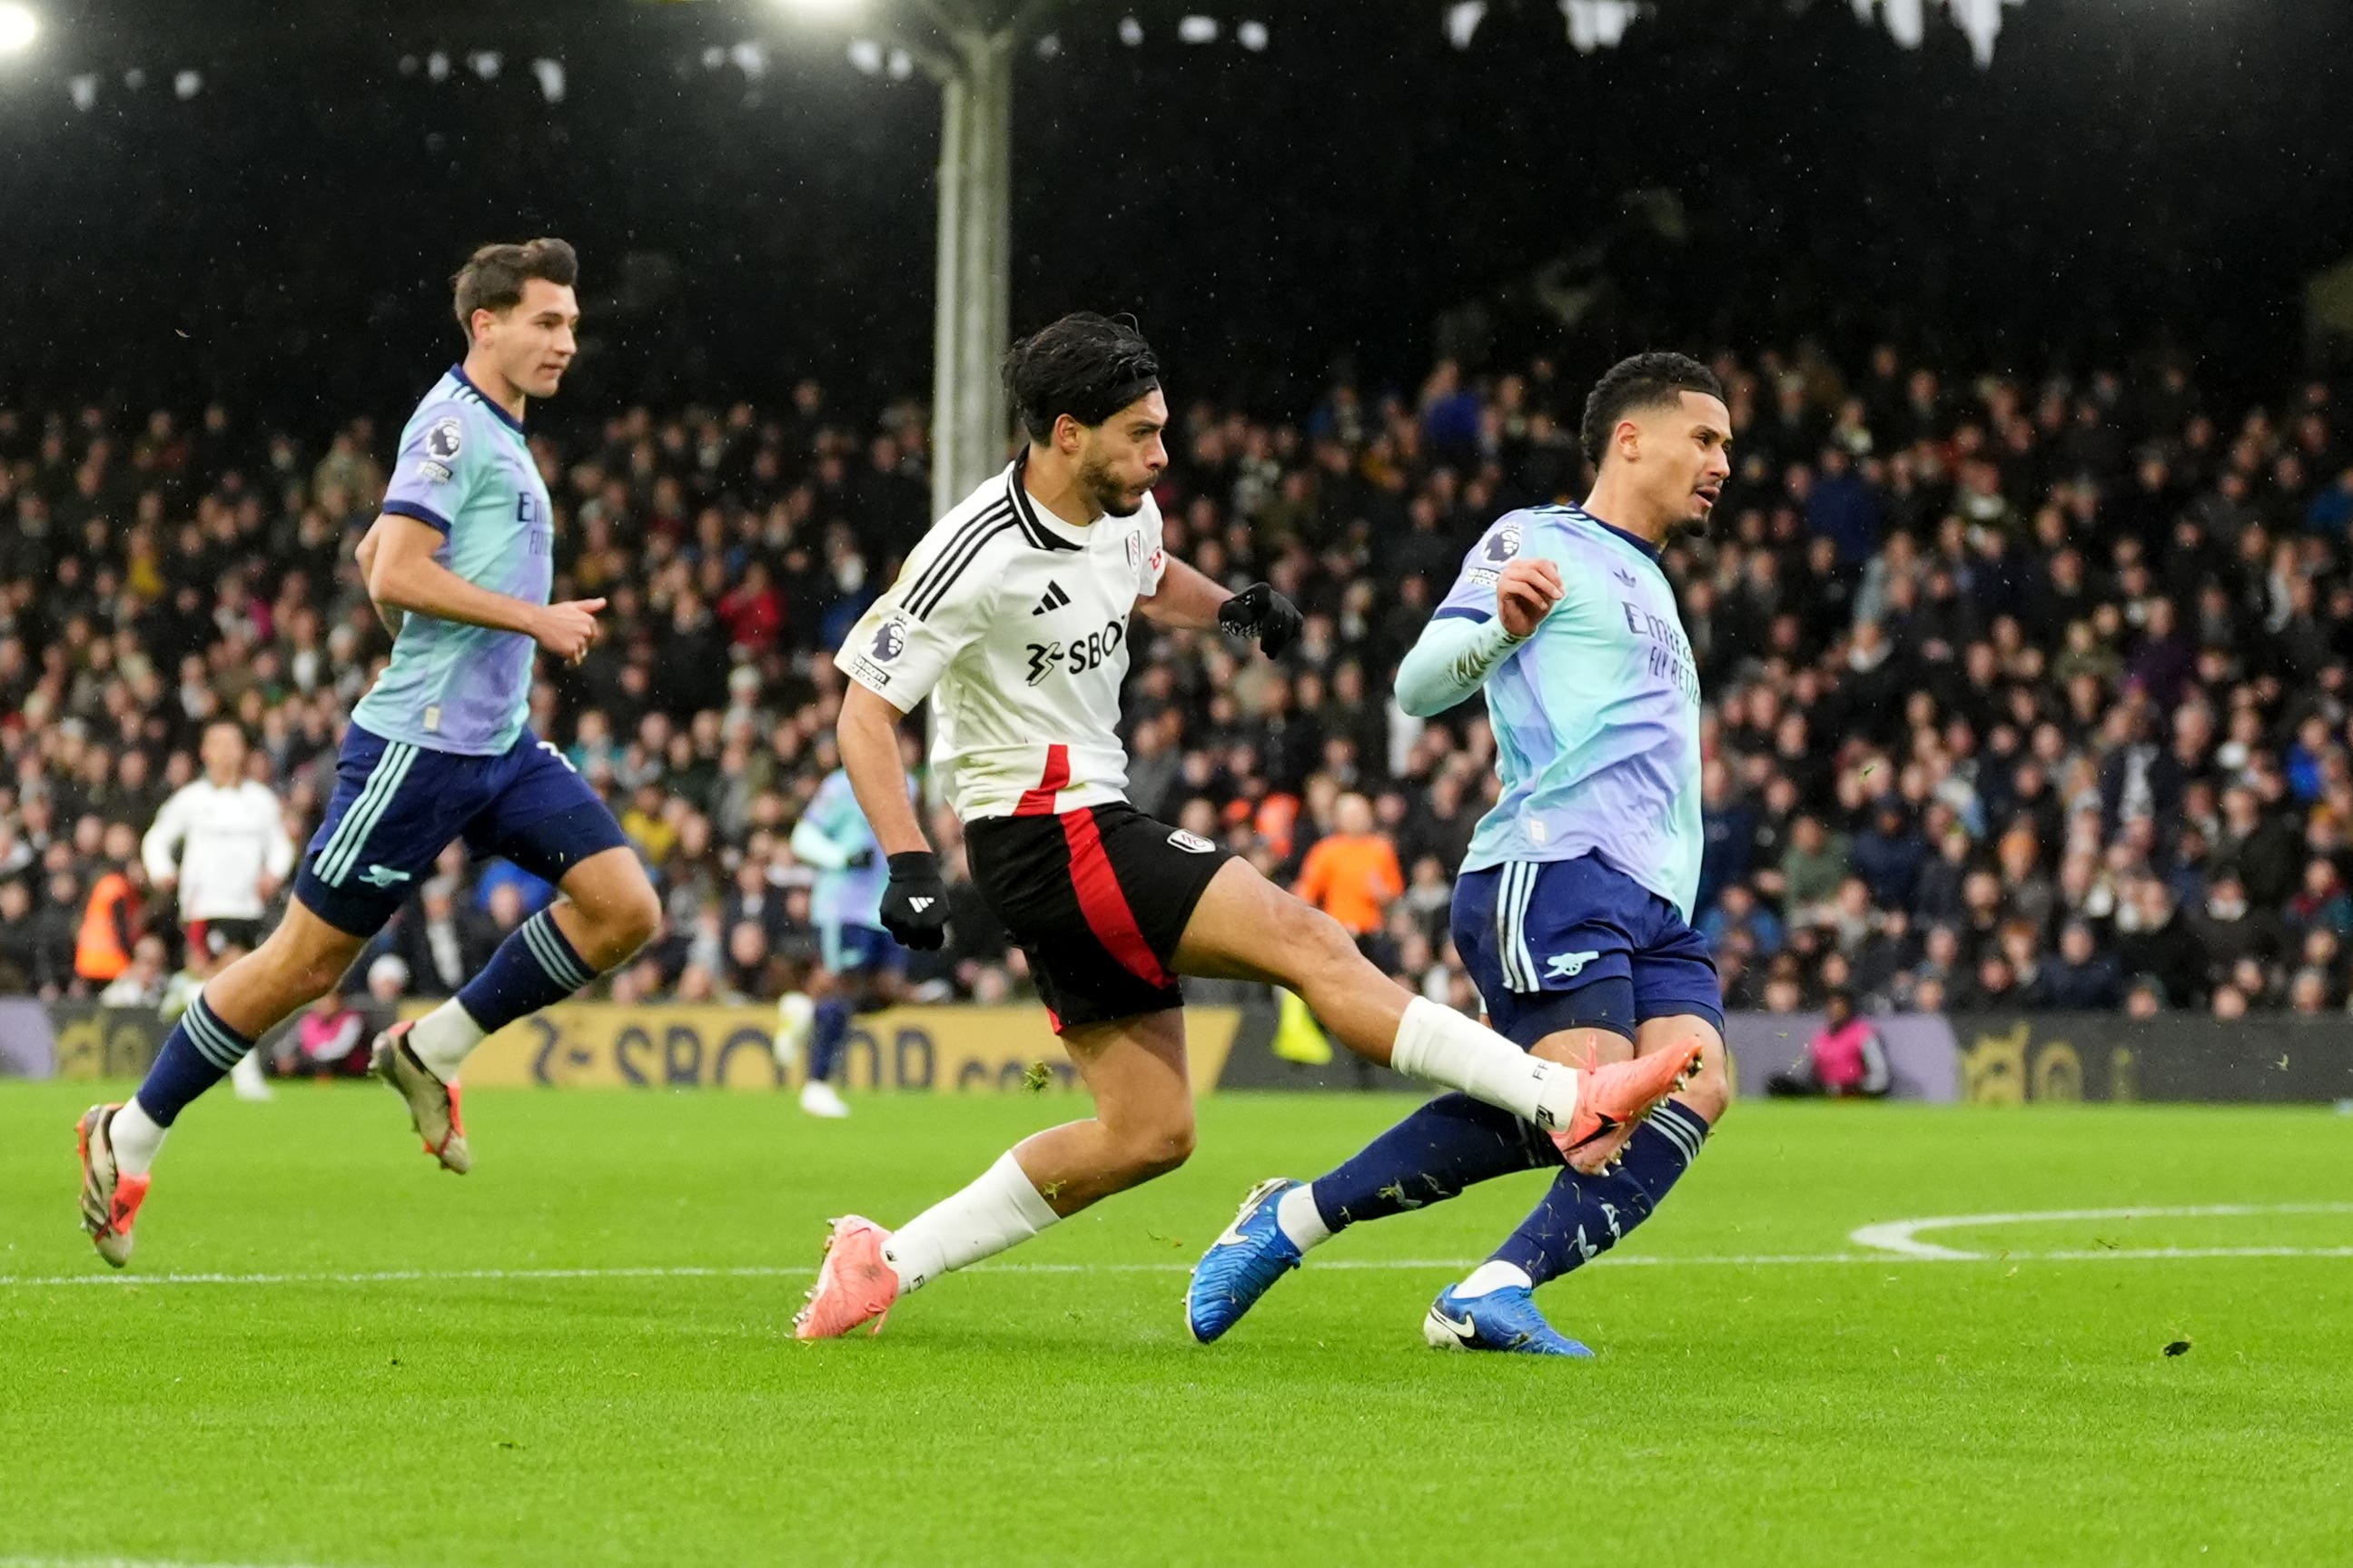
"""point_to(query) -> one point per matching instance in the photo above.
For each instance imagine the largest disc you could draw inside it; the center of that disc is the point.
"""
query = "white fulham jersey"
(1015, 624)
(219, 843)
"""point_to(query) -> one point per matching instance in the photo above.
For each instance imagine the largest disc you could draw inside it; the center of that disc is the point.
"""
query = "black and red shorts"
(1097, 898)
(207, 939)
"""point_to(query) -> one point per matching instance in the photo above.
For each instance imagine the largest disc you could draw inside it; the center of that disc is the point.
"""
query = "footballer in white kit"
(1012, 616)
(221, 844)
(1016, 624)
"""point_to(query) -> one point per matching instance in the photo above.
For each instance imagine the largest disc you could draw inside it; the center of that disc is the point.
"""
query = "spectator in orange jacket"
(110, 921)
(1352, 873)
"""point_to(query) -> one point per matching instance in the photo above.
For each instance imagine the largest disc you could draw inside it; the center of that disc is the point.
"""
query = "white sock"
(1442, 1045)
(444, 1038)
(1493, 1275)
(135, 1136)
(1296, 1216)
(1000, 1210)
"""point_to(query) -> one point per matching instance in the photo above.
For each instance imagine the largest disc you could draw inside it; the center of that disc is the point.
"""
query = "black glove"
(915, 904)
(1257, 611)
(859, 861)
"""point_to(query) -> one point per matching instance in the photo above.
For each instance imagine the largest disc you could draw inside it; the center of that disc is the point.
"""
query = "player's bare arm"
(868, 732)
(391, 616)
(914, 903)
(402, 575)
(1186, 600)
(1189, 600)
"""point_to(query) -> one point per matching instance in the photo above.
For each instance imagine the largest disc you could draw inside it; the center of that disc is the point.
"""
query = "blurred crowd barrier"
(1983, 1058)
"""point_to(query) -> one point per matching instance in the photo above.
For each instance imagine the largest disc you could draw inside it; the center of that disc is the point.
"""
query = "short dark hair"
(1085, 366)
(1642, 380)
(494, 276)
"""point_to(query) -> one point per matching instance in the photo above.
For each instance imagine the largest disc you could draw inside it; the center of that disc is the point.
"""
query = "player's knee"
(1316, 945)
(1710, 1093)
(1155, 1148)
(640, 918)
(624, 922)
(297, 972)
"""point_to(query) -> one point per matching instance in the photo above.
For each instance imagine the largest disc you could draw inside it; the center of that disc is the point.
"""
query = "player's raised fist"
(1525, 592)
(916, 903)
(568, 630)
(1257, 611)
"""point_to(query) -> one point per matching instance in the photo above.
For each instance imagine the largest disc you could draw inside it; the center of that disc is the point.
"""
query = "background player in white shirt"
(221, 843)
(1012, 614)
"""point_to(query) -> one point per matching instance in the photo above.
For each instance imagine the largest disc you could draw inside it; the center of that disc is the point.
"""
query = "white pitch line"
(1746, 1260)
(126, 1562)
(1899, 1238)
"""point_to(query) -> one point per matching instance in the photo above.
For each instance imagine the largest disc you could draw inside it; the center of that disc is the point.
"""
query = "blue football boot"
(1241, 1265)
(1503, 1319)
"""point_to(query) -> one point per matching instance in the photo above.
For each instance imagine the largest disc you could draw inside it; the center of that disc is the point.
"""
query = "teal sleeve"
(1451, 658)
(813, 847)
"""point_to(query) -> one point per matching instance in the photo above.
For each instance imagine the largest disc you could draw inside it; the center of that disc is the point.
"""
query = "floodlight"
(819, 7)
(18, 27)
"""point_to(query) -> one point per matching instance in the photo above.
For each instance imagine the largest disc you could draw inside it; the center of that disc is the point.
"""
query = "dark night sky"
(2129, 172)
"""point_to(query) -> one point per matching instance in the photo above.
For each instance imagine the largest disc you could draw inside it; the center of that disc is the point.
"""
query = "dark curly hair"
(1085, 366)
(1643, 381)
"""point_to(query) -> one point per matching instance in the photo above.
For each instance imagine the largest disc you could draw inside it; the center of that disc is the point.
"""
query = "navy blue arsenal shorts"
(396, 807)
(1577, 945)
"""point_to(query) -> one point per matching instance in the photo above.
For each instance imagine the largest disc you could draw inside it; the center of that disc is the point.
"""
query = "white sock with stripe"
(1002, 1209)
(1443, 1047)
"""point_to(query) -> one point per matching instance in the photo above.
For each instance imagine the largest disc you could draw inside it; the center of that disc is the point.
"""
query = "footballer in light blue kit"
(863, 962)
(1572, 910)
(459, 565)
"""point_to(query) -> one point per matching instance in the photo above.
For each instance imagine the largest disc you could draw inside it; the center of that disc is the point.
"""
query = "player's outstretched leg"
(1584, 1214)
(1245, 928)
(303, 958)
(609, 912)
(1143, 1128)
(1451, 1144)
(1443, 1147)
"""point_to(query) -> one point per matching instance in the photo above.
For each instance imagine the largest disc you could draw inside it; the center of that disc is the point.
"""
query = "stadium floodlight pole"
(970, 55)
(971, 322)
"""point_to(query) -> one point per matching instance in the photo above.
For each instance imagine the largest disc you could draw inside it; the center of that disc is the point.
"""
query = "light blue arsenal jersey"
(850, 895)
(1597, 715)
(465, 468)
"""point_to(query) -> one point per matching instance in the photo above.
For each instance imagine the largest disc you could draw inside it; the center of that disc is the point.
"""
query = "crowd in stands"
(2021, 690)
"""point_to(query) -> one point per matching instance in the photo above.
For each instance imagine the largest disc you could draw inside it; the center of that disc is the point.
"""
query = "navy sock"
(1583, 1216)
(533, 968)
(827, 1039)
(1447, 1145)
(196, 1055)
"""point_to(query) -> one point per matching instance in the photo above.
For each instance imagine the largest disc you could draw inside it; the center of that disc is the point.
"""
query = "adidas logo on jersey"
(922, 904)
(1054, 600)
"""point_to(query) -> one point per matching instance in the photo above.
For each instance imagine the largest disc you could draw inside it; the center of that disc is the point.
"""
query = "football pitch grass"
(328, 1352)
